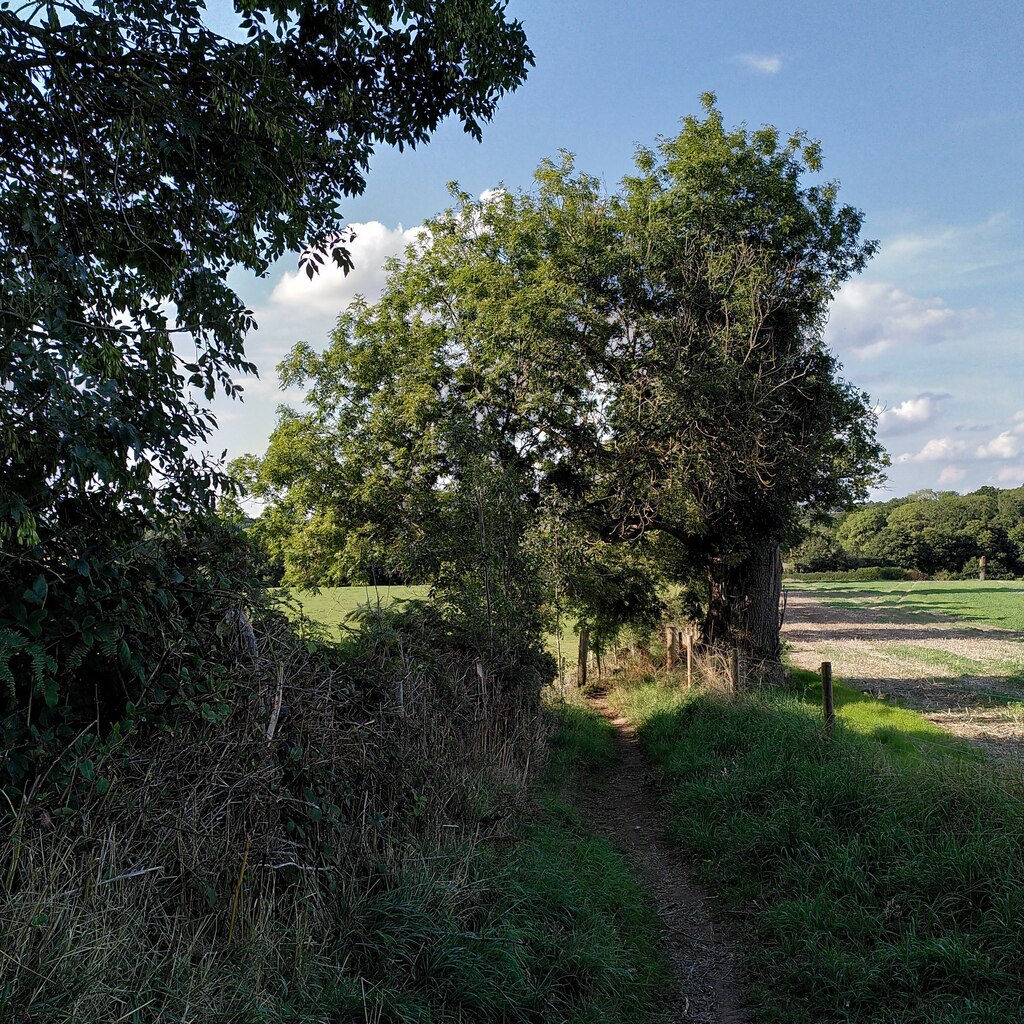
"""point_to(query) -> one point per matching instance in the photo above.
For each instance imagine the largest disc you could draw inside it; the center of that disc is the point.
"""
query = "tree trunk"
(581, 671)
(717, 628)
(743, 610)
(758, 623)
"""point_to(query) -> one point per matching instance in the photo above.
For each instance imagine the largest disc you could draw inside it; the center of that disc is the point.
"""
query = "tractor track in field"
(965, 677)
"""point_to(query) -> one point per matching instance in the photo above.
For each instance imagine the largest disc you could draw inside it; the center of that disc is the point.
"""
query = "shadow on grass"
(872, 889)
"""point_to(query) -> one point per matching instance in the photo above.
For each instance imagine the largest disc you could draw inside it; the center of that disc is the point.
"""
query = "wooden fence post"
(982, 566)
(827, 703)
(581, 672)
(735, 670)
(689, 660)
(668, 646)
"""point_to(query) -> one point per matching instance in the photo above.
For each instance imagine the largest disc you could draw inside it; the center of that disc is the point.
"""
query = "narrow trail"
(623, 810)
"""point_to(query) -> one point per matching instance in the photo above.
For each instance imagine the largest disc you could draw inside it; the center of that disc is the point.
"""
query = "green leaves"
(36, 594)
(143, 156)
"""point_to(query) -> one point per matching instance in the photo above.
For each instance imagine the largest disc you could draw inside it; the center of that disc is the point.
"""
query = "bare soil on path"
(963, 676)
(621, 808)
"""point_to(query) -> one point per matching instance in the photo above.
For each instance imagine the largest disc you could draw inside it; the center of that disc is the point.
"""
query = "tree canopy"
(930, 532)
(646, 365)
(143, 155)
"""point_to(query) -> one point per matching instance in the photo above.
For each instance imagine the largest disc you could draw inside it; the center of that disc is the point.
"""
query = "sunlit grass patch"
(900, 730)
(335, 608)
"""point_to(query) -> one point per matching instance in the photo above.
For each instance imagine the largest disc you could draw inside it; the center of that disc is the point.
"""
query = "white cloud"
(951, 475)
(1011, 476)
(331, 291)
(1005, 446)
(911, 414)
(937, 450)
(868, 317)
(763, 63)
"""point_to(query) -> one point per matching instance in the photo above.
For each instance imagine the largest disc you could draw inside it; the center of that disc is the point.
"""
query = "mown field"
(997, 603)
(953, 650)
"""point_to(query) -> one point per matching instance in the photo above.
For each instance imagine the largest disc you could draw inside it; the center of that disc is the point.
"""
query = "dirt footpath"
(960, 675)
(621, 808)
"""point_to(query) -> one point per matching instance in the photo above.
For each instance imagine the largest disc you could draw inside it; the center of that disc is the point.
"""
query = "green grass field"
(994, 603)
(332, 607)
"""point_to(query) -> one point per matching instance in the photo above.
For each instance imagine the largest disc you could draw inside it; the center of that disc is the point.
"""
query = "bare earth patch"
(966, 678)
(621, 808)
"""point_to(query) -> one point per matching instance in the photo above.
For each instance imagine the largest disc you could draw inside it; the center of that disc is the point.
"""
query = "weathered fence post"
(982, 566)
(581, 672)
(827, 703)
(735, 670)
(669, 630)
(689, 660)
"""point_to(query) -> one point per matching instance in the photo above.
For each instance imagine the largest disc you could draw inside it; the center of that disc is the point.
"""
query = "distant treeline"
(936, 533)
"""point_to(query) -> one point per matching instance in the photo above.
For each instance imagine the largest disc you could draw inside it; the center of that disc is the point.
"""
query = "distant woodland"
(935, 533)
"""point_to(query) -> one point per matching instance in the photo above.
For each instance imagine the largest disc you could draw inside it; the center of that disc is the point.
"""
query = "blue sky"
(920, 110)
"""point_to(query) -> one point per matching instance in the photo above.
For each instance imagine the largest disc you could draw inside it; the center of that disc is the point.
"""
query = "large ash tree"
(142, 157)
(646, 367)
(729, 426)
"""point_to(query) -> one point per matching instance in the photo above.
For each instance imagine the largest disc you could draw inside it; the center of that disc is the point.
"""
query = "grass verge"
(877, 889)
(519, 917)
(900, 731)
(550, 926)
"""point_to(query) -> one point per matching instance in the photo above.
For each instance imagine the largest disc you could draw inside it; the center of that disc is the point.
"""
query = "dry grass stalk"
(185, 880)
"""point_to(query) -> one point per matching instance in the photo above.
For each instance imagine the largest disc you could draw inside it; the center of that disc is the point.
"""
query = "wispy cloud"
(762, 63)
(869, 317)
(1010, 476)
(955, 255)
(951, 475)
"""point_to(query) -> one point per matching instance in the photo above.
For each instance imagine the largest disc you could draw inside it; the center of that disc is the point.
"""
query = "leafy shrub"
(113, 636)
(242, 819)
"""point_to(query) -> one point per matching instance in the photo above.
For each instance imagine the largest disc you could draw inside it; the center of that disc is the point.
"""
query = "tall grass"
(360, 840)
(872, 889)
